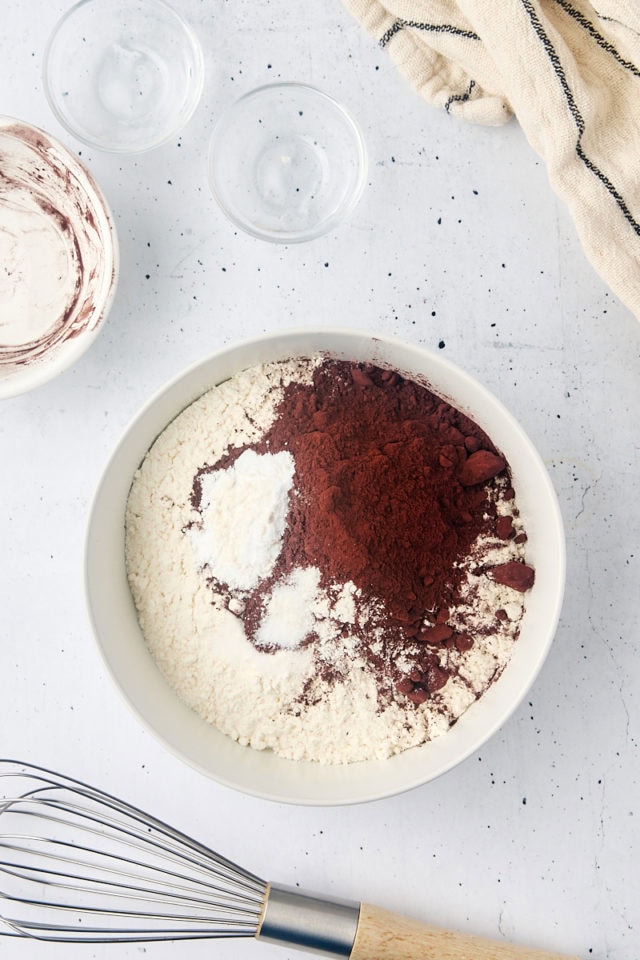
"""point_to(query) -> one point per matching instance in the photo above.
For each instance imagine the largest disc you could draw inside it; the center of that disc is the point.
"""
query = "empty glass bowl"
(123, 75)
(287, 162)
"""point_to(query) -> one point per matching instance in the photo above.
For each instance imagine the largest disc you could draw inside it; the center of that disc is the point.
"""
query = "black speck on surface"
(441, 345)
(327, 263)
(147, 276)
(439, 221)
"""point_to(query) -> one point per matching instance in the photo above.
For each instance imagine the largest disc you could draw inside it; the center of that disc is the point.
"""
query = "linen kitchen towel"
(571, 75)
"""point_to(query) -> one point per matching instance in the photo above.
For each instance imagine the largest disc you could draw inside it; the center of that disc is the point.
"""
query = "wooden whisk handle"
(381, 935)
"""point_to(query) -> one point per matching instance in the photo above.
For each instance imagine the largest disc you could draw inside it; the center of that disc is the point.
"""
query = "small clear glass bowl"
(123, 75)
(287, 163)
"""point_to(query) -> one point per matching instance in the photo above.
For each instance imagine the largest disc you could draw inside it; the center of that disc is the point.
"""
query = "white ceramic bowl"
(263, 773)
(58, 258)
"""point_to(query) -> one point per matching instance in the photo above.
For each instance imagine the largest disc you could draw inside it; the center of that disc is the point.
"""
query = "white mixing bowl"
(58, 258)
(262, 773)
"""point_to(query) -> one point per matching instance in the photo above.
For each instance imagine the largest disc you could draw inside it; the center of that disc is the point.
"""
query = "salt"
(289, 616)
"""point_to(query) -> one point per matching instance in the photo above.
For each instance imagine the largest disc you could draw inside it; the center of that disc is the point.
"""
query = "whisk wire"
(213, 862)
(58, 879)
(140, 877)
(95, 865)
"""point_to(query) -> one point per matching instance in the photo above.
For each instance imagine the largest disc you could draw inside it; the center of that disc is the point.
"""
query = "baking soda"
(243, 514)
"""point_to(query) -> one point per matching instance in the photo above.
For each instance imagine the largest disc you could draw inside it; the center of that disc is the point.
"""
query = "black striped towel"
(569, 73)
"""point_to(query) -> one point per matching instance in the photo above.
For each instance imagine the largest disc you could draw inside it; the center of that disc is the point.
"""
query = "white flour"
(190, 572)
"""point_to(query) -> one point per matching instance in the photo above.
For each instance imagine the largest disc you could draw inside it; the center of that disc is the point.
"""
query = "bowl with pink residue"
(260, 772)
(58, 258)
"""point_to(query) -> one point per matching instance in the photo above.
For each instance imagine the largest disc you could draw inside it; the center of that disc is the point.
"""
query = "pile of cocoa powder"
(394, 488)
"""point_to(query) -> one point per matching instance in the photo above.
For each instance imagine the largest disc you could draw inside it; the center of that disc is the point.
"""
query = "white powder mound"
(289, 616)
(244, 511)
(191, 572)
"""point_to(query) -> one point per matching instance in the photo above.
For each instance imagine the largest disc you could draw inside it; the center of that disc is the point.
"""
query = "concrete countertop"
(460, 245)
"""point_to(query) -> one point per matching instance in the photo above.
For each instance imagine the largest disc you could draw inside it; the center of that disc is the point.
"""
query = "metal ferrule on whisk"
(309, 923)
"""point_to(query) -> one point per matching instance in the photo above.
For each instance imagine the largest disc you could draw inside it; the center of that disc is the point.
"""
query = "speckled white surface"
(458, 243)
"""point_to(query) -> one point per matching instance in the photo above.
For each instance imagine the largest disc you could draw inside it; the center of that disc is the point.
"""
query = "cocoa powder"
(393, 487)
(388, 496)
